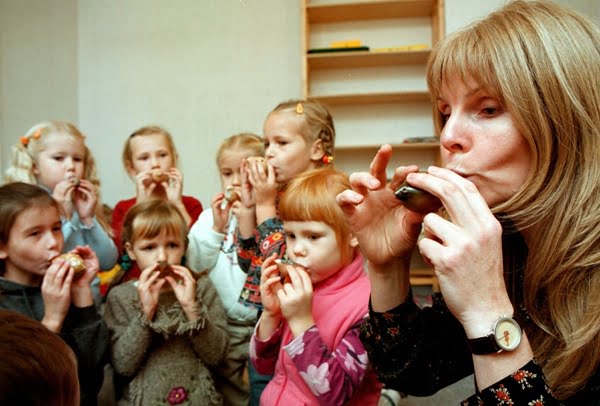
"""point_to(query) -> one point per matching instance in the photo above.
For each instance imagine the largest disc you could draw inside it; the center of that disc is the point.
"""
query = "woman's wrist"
(390, 284)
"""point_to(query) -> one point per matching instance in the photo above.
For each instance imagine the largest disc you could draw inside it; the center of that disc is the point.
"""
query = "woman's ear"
(129, 250)
(317, 151)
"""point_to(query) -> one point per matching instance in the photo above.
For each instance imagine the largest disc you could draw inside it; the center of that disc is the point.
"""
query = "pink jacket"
(339, 302)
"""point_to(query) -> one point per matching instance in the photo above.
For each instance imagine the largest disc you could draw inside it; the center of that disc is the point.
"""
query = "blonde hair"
(310, 196)
(317, 123)
(542, 61)
(150, 218)
(143, 131)
(243, 141)
(26, 152)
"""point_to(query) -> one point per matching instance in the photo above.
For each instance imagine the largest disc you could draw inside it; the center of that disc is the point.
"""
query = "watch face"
(508, 334)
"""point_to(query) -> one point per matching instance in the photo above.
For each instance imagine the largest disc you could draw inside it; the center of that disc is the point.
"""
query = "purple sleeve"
(331, 376)
(263, 354)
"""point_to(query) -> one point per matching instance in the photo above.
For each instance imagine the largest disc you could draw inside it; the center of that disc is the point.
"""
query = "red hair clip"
(327, 159)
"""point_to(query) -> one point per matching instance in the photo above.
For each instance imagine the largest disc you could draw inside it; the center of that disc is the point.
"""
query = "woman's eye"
(490, 111)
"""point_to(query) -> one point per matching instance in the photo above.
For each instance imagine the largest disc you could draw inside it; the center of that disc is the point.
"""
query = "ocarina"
(159, 176)
(258, 159)
(164, 269)
(417, 200)
(74, 180)
(230, 196)
(282, 267)
(75, 262)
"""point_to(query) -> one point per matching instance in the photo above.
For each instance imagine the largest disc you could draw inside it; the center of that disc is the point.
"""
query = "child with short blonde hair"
(169, 327)
(212, 247)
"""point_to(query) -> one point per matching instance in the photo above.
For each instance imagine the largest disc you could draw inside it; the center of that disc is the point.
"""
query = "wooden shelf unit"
(378, 92)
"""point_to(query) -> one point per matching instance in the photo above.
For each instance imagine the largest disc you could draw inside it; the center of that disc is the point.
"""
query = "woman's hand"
(81, 292)
(144, 185)
(148, 288)
(56, 294)
(220, 213)
(296, 300)
(466, 251)
(85, 199)
(386, 230)
(184, 286)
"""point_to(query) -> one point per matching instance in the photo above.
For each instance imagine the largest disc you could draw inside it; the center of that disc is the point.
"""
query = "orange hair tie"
(327, 159)
(299, 108)
(24, 140)
(37, 134)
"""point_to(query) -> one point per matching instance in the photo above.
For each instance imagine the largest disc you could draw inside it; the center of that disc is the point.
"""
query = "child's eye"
(173, 245)
(58, 158)
(290, 236)
(226, 173)
(164, 154)
(78, 159)
(314, 237)
(266, 145)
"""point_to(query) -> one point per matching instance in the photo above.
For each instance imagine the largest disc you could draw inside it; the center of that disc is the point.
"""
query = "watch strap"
(484, 345)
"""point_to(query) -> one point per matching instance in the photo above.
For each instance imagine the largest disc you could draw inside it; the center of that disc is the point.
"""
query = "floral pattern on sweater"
(330, 376)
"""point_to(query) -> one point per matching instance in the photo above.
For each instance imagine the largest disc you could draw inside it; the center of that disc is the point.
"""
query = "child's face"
(285, 147)
(314, 245)
(150, 152)
(149, 251)
(33, 241)
(62, 158)
(229, 168)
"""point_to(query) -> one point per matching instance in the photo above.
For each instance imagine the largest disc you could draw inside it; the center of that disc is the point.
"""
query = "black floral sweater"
(419, 351)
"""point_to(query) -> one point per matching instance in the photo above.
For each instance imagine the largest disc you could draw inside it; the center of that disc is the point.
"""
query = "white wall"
(204, 69)
(38, 66)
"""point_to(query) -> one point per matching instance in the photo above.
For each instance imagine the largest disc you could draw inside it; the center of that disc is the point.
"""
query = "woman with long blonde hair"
(517, 253)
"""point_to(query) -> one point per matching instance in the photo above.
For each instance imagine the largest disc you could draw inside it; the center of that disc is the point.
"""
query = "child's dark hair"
(318, 122)
(38, 367)
(15, 198)
(150, 218)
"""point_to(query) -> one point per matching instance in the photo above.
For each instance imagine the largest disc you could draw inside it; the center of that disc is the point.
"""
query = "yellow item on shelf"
(414, 47)
(352, 43)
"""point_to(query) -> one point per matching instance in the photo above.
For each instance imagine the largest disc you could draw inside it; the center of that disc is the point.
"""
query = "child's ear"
(129, 168)
(317, 150)
(129, 250)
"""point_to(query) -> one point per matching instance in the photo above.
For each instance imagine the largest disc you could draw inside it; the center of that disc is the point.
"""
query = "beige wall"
(203, 69)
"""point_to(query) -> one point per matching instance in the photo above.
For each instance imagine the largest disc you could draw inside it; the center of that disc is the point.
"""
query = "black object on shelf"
(337, 49)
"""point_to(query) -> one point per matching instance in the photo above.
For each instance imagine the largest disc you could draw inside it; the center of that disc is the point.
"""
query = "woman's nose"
(455, 136)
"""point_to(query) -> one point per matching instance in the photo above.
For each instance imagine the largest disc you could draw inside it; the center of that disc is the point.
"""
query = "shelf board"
(409, 146)
(363, 59)
(369, 10)
(371, 98)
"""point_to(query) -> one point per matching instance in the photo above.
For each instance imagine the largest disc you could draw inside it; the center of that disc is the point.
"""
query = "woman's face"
(480, 141)
(150, 152)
